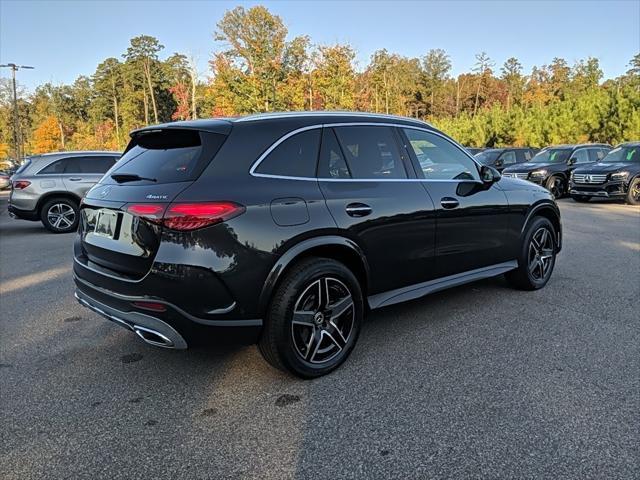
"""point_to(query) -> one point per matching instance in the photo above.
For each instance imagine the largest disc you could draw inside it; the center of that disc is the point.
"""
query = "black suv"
(616, 176)
(551, 166)
(284, 229)
(501, 158)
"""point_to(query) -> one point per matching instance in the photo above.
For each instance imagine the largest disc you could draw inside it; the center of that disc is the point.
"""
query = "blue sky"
(64, 39)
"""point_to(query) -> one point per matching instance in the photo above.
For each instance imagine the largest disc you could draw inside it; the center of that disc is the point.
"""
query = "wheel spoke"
(303, 318)
(314, 344)
(340, 336)
(338, 308)
(337, 340)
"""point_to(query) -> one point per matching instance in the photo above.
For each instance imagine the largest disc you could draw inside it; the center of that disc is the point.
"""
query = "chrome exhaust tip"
(152, 337)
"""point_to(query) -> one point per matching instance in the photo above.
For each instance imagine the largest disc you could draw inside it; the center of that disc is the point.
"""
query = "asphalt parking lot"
(479, 381)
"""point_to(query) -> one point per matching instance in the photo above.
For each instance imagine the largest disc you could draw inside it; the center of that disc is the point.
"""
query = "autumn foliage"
(256, 67)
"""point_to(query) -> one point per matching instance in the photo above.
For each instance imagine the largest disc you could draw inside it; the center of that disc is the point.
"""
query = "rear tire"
(60, 215)
(581, 198)
(537, 256)
(314, 319)
(633, 195)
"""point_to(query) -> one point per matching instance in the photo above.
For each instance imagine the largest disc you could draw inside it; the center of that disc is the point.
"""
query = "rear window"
(169, 156)
(24, 165)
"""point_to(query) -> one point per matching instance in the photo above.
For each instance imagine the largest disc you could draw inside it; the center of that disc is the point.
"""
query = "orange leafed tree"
(46, 137)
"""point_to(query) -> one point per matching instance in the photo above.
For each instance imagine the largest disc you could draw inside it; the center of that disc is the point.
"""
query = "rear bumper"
(22, 214)
(604, 190)
(172, 328)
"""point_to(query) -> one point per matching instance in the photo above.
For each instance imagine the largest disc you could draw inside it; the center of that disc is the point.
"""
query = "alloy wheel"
(540, 253)
(323, 320)
(61, 216)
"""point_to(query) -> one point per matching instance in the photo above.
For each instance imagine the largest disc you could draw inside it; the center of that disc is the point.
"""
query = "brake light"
(186, 216)
(20, 184)
(191, 216)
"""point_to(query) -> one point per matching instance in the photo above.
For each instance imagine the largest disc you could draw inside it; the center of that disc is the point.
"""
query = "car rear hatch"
(123, 217)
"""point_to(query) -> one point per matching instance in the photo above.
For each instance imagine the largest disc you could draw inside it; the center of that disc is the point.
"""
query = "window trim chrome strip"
(256, 164)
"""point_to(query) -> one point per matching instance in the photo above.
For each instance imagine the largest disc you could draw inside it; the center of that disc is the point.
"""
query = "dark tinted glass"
(56, 167)
(170, 155)
(294, 157)
(372, 152)
(440, 159)
(332, 163)
(91, 164)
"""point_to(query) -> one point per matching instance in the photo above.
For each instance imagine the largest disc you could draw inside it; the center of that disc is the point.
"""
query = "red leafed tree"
(180, 92)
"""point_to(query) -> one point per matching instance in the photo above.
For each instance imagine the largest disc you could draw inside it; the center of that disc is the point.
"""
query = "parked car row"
(584, 171)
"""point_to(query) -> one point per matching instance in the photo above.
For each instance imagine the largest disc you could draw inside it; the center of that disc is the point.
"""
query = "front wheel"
(633, 195)
(537, 256)
(555, 184)
(60, 215)
(314, 319)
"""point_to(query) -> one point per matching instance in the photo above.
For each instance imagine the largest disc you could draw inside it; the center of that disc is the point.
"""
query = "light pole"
(16, 118)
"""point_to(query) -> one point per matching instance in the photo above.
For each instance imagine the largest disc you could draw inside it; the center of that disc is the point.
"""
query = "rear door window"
(371, 152)
(168, 156)
(295, 156)
(332, 163)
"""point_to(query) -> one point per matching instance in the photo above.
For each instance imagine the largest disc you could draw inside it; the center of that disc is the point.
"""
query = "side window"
(294, 157)
(581, 156)
(55, 168)
(528, 155)
(97, 165)
(371, 152)
(75, 164)
(508, 158)
(602, 152)
(332, 163)
(440, 159)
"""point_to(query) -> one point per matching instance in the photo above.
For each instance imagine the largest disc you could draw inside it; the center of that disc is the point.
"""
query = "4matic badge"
(156, 197)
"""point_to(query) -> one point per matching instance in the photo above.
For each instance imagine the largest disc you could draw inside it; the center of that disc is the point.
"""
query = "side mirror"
(572, 161)
(499, 162)
(489, 175)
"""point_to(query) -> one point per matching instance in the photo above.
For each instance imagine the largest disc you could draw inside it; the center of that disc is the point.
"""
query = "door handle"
(358, 209)
(449, 203)
(75, 179)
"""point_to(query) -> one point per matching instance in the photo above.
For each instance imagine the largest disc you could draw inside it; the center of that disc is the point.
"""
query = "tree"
(512, 76)
(335, 77)
(482, 69)
(143, 53)
(436, 65)
(108, 83)
(256, 41)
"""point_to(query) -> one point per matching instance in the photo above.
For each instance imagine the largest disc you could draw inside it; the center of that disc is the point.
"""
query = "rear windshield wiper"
(130, 177)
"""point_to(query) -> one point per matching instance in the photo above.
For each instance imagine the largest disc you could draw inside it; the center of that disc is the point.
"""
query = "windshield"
(623, 154)
(488, 157)
(552, 155)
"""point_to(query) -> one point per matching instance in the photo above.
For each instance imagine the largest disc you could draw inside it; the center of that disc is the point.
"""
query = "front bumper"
(171, 328)
(611, 189)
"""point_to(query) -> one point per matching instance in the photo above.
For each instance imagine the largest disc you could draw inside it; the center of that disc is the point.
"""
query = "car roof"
(75, 153)
(577, 145)
(224, 125)
(635, 143)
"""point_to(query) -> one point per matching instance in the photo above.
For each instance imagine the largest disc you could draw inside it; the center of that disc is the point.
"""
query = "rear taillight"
(20, 184)
(186, 216)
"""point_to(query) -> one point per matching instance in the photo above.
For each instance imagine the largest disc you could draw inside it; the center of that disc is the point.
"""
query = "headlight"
(619, 175)
(538, 173)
